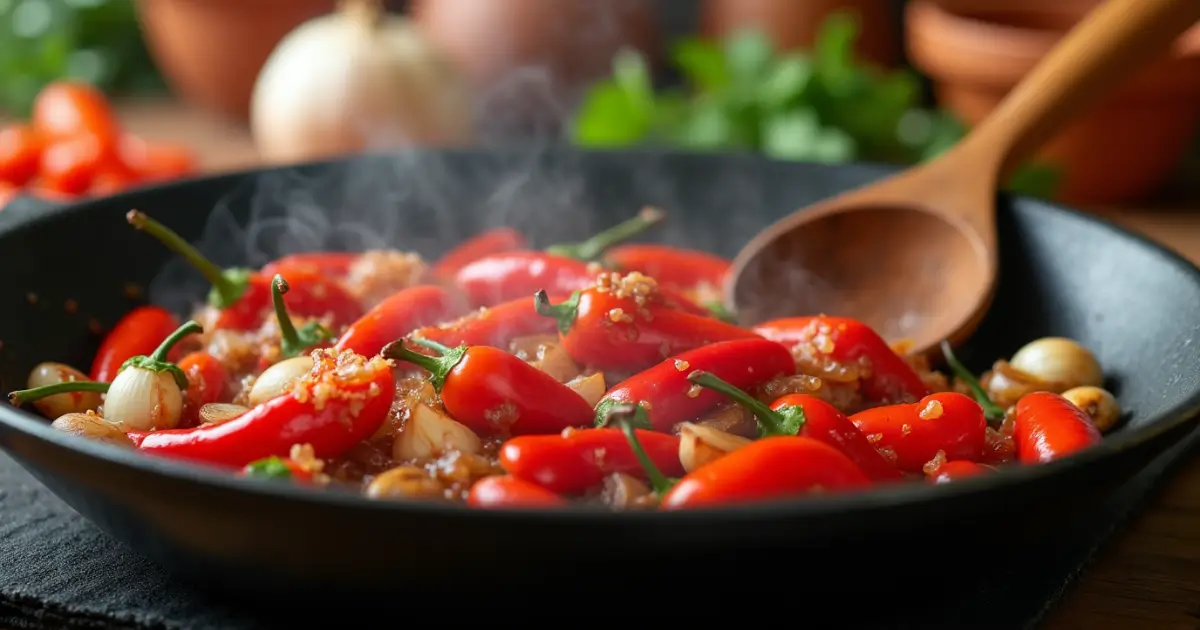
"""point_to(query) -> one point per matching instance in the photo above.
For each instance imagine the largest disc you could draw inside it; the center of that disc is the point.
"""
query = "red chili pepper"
(770, 468)
(672, 266)
(559, 269)
(207, 380)
(496, 326)
(137, 333)
(341, 402)
(808, 416)
(493, 392)
(244, 296)
(890, 379)
(666, 397)
(577, 460)
(915, 432)
(331, 264)
(947, 472)
(489, 243)
(1049, 427)
(403, 312)
(506, 491)
(607, 331)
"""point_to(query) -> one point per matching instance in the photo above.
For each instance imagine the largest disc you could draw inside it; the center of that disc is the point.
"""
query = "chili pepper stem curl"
(438, 367)
(593, 247)
(993, 412)
(23, 396)
(564, 313)
(228, 285)
(157, 360)
(621, 414)
(770, 422)
(292, 341)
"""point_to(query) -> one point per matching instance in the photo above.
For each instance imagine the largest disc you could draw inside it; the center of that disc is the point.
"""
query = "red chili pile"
(73, 146)
(505, 376)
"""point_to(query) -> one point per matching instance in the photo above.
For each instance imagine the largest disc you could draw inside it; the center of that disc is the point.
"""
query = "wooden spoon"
(914, 255)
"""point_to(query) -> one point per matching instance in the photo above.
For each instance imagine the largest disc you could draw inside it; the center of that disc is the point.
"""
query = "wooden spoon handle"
(1108, 45)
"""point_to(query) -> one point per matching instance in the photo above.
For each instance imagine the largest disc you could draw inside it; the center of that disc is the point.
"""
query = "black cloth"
(59, 571)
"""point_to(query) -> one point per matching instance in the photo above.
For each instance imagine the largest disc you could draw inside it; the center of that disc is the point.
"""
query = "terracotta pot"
(1121, 150)
(210, 51)
(534, 57)
(793, 23)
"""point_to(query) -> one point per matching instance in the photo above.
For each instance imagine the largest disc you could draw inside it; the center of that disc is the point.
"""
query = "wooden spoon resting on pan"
(914, 255)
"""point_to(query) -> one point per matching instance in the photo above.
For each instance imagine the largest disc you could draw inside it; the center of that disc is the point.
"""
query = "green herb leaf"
(833, 51)
(747, 55)
(702, 64)
(785, 82)
(607, 118)
(798, 135)
(269, 468)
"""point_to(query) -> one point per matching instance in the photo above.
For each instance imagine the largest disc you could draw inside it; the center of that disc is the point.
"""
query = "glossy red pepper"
(770, 468)
(488, 243)
(672, 266)
(493, 392)
(506, 491)
(560, 268)
(808, 416)
(342, 401)
(1048, 427)
(137, 333)
(403, 312)
(496, 326)
(666, 397)
(207, 381)
(244, 296)
(947, 472)
(577, 460)
(915, 432)
(605, 330)
(330, 264)
(848, 342)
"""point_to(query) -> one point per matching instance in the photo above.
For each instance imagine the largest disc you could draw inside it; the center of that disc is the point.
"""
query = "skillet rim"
(904, 495)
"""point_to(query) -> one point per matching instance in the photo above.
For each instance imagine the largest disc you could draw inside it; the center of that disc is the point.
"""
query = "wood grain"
(1148, 578)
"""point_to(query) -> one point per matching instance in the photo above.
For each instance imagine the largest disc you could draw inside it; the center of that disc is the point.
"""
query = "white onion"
(354, 80)
(275, 380)
(699, 445)
(144, 400)
(429, 433)
(590, 388)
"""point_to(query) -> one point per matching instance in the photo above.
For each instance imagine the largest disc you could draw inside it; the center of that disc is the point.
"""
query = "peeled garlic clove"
(275, 380)
(216, 413)
(1058, 360)
(699, 445)
(590, 388)
(1099, 405)
(429, 433)
(405, 482)
(553, 360)
(50, 373)
(92, 427)
(144, 400)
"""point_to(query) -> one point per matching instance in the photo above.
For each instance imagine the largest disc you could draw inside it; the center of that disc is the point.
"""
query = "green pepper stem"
(440, 348)
(438, 367)
(289, 339)
(222, 284)
(22, 396)
(593, 247)
(621, 414)
(190, 327)
(993, 412)
(564, 313)
(771, 420)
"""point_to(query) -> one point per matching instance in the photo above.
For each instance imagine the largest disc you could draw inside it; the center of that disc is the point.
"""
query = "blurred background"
(818, 80)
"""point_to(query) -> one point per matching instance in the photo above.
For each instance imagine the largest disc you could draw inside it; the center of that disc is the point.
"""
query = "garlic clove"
(552, 359)
(144, 400)
(1099, 405)
(275, 380)
(92, 427)
(1058, 360)
(429, 433)
(590, 388)
(699, 445)
(216, 413)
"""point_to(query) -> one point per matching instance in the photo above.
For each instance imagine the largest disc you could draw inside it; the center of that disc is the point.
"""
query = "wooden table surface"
(1149, 578)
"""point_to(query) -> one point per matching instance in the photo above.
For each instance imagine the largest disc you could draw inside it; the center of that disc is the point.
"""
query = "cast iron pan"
(1063, 273)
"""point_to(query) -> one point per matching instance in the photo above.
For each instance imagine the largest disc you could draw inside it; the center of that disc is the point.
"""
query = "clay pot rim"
(949, 45)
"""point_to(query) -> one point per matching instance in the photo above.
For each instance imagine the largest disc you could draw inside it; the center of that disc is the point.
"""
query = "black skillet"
(1063, 273)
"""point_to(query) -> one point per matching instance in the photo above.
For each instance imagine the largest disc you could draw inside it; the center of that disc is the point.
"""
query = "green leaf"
(833, 50)
(708, 126)
(702, 63)
(631, 74)
(269, 468)
(785, 81)
(798, 135)
(747, 53)
(946, 131)
(608, 119)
